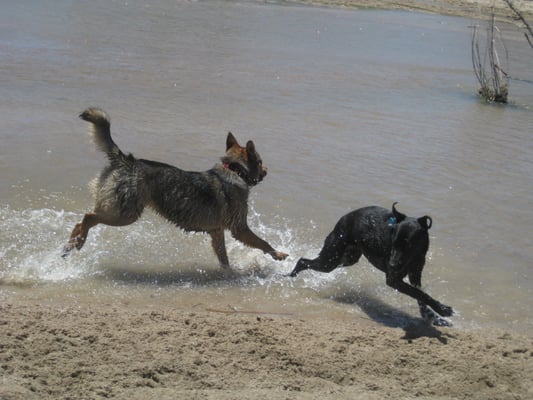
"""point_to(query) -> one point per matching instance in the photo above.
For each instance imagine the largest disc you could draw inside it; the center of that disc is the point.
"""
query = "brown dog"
(210, 201)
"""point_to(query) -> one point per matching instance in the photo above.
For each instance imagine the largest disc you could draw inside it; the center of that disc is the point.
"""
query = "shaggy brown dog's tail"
(101, 134)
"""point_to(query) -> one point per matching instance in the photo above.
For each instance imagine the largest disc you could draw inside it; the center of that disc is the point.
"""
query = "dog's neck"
(237, 171)
(228, 166)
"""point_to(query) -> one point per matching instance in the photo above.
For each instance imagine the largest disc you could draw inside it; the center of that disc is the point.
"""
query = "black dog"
(392, 242)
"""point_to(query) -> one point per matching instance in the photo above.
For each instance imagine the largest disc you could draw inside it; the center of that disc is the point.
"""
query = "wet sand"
(118, 351)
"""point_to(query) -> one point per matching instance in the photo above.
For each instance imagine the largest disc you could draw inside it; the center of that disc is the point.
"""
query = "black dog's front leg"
(427, 314)
(431, 317)
(398, 284)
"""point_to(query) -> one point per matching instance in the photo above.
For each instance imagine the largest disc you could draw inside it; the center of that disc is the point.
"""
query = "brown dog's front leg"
(219, 246)
(246, 236)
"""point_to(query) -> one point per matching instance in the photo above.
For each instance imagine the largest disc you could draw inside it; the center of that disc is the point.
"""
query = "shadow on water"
(390, 316)
(192, 276)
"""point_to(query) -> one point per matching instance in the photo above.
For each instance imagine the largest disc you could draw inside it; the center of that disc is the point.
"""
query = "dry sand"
(110, 351)
(121, 352)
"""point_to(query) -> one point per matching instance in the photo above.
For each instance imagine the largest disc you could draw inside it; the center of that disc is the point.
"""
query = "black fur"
(391, 241)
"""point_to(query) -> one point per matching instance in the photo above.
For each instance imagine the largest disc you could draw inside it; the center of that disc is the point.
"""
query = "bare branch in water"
(518, 14)
(492, 78)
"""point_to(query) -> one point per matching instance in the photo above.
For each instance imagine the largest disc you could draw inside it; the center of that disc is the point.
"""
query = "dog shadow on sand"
(392, 317)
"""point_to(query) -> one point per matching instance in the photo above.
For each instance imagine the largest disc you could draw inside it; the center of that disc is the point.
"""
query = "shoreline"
(478, 9)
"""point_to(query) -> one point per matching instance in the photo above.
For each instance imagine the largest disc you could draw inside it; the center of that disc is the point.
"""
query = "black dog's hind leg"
(397, 283)
(426, 312)
(336, 252)
(302, 265)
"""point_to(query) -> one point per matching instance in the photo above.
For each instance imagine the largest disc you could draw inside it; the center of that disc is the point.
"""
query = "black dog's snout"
(395, 259)
(394, 264)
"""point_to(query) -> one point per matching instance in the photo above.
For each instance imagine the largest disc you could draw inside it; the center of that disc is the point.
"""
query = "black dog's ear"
(250, 148)
(398, 215)
(231, 141)
(425, 222)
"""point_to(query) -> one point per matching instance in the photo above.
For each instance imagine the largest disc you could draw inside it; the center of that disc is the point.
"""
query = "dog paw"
(65, 253)
(67, 249)
(432, 318)
(74, 243)
(278, 255)
(439, 321)
(446, 311)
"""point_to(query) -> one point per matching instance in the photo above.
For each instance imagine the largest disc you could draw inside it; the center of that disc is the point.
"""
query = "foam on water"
(154, 252)
(31, 246)
(153, 255)
(32, 241)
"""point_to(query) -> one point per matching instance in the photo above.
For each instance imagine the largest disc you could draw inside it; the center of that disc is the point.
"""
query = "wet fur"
(210, 201)
(392, 242)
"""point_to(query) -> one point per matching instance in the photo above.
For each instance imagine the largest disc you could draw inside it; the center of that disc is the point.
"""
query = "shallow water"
(347, 107)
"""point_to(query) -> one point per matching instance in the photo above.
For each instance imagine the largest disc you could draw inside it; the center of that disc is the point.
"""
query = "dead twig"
(492, 78)
(518, 15)
(233, 310)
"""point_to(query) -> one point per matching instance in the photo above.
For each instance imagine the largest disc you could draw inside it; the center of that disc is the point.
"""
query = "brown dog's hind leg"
(80, 232)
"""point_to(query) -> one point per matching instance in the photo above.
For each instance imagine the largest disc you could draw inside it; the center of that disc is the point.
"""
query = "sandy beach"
(122, 351)
(110, 351)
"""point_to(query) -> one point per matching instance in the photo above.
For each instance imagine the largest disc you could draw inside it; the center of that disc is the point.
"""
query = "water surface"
(347, 107)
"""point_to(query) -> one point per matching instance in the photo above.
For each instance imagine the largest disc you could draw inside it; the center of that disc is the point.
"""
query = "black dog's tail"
(101, 134)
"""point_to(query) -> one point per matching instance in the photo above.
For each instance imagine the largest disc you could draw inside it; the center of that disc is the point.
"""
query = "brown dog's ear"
(398, 215)
(425, 222)
(231, 141)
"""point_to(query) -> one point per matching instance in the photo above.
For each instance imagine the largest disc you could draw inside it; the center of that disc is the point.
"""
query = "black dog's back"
(365, 231)
(368, 229)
